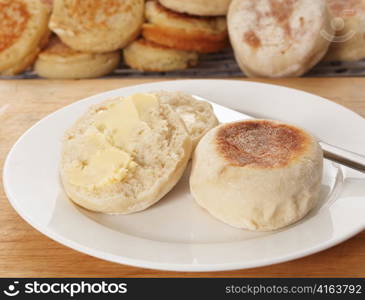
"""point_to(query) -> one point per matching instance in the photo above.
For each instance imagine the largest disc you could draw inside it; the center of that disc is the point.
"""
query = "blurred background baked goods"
(349, 20)
(97, 26)
(23, 32)
(279, 38)
(57, 60)
(177, 38)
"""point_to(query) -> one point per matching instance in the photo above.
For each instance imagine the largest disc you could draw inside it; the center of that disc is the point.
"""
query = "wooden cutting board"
(24, 252)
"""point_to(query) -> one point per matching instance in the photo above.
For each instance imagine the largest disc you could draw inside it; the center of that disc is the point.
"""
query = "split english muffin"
(124, 154)
(184, 32)
(349, 22)
(58, 60)
(97, 25)
(23, 32)
(279, 38)
(145, 55)
(257, 174)
(198, 7)
(197, 115)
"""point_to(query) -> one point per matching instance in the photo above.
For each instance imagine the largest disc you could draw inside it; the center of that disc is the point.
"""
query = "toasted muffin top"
(198, 7)
(14, 17)
(95, 14)
(162, 16)
(261, 143)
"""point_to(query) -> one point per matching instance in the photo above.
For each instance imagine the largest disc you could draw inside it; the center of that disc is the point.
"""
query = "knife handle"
(344, 157)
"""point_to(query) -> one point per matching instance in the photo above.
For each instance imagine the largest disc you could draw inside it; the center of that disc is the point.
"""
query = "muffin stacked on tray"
(90, 35)
(176, 31)
(23, 32)
(87, 41)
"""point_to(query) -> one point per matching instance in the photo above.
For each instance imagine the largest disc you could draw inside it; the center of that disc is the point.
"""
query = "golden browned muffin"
(257, 174)
(184, 32)
(23, 31)
(198, 7)
(97, 25)
(60, 61)
(145, 55)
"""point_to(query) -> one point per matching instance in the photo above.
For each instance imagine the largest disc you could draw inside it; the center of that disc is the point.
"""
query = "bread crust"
(97, 25)
(60, 61)
(265, 186)
(184, 32)
(145, 55)
(198, 7)
(23, 29)
(279, 38)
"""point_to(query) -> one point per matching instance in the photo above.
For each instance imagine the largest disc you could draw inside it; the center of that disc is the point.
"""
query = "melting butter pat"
(103, 168)
(120, 119)
(107, 148)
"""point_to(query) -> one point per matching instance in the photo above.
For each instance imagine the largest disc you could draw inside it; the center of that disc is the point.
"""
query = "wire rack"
(223, 65)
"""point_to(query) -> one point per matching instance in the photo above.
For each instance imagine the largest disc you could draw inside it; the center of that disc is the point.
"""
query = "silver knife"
(342, 156)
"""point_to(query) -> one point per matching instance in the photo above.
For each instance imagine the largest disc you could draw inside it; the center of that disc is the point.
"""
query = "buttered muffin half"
(279, 38)
(124, 155)
(97, 25)
(23, 32)
(58, 60)
(257, 174)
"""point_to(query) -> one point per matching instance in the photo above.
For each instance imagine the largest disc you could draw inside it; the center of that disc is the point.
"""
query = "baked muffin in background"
(349, 23)
(58, 60)
(97, 26)
(182, 31)
(23, 32)
(198, 7)
(279, 38)
(145, 55)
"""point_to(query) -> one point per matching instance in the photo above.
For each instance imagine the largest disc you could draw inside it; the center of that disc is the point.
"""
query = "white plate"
(175, 234)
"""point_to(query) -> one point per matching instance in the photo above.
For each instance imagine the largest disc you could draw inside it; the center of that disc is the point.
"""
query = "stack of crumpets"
(176, 31)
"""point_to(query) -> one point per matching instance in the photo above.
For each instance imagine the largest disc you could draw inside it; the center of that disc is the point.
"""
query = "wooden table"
(24, 252)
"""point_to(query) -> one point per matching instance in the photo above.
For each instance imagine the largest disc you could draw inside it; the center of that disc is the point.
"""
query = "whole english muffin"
(23, 32)
(124, 154)
(349, 22)
(58, 60)
(198, 7)
(145, 55)
(97, 25)
(279, 38)
(184, 32)
(257, 174)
